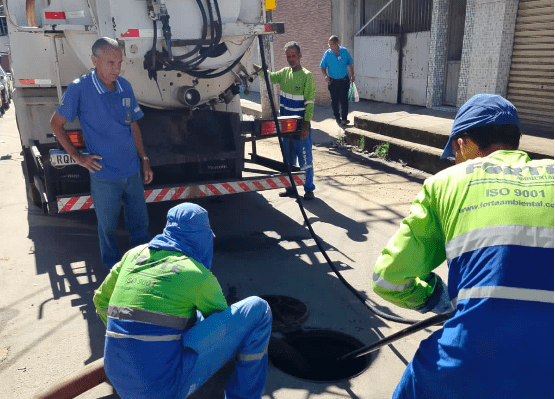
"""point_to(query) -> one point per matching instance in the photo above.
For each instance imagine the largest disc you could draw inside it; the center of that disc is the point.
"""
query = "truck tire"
(29, 174)
(5, 101)
(34, 195)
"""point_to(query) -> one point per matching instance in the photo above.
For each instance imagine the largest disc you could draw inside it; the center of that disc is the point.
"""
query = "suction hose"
(437, 319)
(75, 384)
(364, 300)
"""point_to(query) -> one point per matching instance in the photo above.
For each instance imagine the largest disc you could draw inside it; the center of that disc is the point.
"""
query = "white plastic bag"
(353, 93)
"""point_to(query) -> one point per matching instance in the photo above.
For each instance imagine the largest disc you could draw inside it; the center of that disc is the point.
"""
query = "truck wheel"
(30, 171)
(34, 195)
(6, 102)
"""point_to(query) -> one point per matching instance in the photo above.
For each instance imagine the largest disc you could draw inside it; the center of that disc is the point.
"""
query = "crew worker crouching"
(158, 346)
(491, 217)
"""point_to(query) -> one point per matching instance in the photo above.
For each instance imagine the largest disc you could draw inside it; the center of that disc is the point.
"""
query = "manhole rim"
(279, 325)
(308, 330)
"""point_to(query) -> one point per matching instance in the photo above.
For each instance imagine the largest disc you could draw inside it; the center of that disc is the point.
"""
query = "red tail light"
(54, 15)
(286, 126)
(76, 137)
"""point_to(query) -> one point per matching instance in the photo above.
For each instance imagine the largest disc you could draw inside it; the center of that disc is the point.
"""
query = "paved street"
(50, 267)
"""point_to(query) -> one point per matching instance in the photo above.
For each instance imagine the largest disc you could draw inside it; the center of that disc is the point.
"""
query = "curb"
(414, 155)
(411, 134)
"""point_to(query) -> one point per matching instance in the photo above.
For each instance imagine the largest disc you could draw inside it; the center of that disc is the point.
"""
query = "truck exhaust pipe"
(188, 95)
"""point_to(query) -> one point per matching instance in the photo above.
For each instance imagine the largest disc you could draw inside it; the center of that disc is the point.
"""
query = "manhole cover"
(320, 350)
(288, 314)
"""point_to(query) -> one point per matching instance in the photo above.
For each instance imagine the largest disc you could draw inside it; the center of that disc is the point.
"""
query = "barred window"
(393, 17)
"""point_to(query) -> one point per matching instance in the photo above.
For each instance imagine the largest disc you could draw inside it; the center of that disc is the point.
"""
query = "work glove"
(439, 302)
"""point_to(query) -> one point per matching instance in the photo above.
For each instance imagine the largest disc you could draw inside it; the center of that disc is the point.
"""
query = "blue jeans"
(244, 329)
(302, 150)
(107, 195)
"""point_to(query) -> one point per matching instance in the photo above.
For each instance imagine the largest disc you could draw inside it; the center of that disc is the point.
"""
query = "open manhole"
(288, 314)
(310, 354)
(318, 351)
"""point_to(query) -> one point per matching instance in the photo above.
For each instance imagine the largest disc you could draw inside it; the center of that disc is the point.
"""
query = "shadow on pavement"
(277, 256)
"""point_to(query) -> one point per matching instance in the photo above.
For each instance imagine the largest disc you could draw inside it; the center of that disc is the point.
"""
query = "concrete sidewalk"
(416, 135)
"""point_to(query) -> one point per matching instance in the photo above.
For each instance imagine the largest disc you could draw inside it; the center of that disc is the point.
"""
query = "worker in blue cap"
(491, 217)
(169, 328)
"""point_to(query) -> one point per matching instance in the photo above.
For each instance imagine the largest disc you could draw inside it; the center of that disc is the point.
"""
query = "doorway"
(457, 16)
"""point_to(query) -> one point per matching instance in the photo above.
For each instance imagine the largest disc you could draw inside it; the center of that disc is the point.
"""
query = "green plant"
(341, 139)
(382, 150)
(361, 143)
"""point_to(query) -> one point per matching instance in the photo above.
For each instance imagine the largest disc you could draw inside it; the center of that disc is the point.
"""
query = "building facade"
(432, 53)
(439, 53)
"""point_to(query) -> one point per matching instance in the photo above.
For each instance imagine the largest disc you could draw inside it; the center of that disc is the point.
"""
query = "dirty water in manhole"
(319, 350)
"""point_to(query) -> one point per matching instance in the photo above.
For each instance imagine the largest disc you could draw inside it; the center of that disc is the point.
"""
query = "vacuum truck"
(187, 61)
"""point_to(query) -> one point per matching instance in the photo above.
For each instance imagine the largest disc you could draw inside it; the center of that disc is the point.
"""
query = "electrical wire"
(364, 300)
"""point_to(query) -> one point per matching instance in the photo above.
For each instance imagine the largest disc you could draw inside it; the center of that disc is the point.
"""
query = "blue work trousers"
(143, 362)
(301, 150)
(244, 329)
(108, 195)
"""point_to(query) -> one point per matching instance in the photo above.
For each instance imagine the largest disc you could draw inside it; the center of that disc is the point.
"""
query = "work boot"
(309, 195)
(345, 122)
(287, 193)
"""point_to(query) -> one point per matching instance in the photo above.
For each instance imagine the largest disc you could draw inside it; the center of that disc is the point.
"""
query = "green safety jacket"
(159, 287)
(298, 90)
(499, 200)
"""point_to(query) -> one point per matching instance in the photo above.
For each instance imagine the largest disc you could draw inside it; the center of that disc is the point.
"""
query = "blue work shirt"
(336, 64)
(105, 118)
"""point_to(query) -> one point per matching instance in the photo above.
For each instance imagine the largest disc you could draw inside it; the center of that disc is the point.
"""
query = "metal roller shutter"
(531, 78)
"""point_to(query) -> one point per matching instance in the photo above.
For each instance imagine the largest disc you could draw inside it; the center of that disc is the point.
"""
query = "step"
(414, 155)
(434, 131)
(421, 129)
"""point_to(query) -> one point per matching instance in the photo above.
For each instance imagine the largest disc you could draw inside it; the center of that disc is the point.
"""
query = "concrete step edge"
(412, 134)
(414, 155)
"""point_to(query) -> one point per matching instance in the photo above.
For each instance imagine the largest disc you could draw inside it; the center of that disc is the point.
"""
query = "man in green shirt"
(169, 328)
(297, 98)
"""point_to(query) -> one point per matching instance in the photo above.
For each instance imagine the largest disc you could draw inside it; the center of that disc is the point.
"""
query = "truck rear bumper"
(76, 203)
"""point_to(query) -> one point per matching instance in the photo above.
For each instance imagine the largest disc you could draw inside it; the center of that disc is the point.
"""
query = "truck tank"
(186, 61)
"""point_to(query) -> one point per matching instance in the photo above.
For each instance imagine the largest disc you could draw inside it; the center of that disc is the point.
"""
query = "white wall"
(416, 55)
(376, 68)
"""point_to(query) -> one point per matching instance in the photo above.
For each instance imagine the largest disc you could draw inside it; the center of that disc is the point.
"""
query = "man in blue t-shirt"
(108, 114)
(339, 72)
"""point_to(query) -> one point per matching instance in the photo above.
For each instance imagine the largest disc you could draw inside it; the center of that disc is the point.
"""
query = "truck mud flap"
(183, 192)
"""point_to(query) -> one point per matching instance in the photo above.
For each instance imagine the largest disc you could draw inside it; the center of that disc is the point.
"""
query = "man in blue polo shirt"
(337, 65)
(108, 114)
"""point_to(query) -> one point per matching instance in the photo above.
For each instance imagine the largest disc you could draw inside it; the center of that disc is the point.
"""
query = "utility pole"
(268, 44)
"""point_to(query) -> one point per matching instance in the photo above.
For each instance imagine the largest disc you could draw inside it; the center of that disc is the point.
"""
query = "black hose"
(207, 74)
(364, 300)
(203, 35)
(434, 320)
